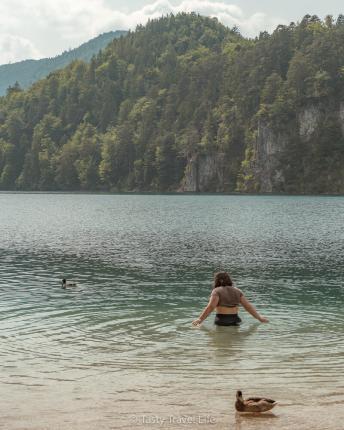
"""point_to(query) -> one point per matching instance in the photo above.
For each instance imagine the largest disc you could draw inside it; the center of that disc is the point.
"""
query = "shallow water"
(119, 350)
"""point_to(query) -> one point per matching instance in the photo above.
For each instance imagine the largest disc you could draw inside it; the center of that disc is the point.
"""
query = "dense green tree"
(174, 91)
(8, 164)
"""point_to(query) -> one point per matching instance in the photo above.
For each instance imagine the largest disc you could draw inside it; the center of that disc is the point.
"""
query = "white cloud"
(31, 27)
(228, 14)
(16, 48)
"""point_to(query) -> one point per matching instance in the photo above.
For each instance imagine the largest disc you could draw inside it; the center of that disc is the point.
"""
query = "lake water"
(119, 350)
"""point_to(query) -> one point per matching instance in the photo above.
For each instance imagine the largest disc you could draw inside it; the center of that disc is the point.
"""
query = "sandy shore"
(291, 417)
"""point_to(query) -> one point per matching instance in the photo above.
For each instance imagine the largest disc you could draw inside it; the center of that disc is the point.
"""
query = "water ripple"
(144, 265)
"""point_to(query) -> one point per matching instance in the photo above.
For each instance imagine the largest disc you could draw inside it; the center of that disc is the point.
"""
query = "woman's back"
(225, 298)
(229, 296)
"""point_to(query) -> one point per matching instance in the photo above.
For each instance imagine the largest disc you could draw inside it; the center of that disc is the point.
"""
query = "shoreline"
(284, 417)
(157, 193)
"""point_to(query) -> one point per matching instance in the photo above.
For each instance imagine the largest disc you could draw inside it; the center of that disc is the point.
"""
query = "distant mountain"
(29, 71)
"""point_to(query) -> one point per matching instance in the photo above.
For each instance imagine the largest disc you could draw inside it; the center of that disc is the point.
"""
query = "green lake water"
(119, 351)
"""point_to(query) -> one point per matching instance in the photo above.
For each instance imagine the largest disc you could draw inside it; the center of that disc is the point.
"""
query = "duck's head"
(64, 282)
(239, 395)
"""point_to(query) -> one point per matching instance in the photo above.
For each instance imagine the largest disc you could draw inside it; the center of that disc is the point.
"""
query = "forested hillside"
(185, 103)
(29, 71)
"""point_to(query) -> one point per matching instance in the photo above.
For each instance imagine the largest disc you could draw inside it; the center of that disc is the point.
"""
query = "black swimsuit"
(227, 319)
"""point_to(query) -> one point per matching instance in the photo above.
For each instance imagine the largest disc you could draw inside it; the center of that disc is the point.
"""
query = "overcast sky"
(43, 28)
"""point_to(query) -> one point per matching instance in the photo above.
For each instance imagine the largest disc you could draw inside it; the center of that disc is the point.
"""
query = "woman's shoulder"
(236, 289)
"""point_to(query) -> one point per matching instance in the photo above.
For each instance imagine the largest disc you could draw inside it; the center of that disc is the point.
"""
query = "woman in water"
(226, 298)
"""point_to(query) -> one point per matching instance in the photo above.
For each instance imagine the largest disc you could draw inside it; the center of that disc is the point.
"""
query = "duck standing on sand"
(253, 404)
(66, 284)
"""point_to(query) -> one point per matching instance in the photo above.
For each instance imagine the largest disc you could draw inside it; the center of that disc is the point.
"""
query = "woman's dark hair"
(222, 279)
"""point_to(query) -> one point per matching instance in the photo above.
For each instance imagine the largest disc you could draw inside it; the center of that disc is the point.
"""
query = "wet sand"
(290, 417)
(212, 409)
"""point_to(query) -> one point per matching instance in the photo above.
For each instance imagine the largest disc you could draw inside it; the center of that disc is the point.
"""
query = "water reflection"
(226, 342)
(250, 420)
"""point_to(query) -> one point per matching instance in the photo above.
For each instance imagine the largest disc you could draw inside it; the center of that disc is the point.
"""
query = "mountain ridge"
(26, 72)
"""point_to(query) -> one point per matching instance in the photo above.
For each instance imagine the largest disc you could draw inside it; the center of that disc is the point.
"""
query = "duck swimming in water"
(66, 284)
(253, 404)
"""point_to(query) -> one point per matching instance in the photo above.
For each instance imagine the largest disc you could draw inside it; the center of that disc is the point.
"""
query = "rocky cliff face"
(341, 116)
(265, 170)
(308, 120)
(268, 147)
(205, 173)
(270, 164)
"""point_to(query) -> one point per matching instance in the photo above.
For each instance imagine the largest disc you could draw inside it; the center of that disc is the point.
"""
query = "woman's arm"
(213, 301)
(252, 310)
